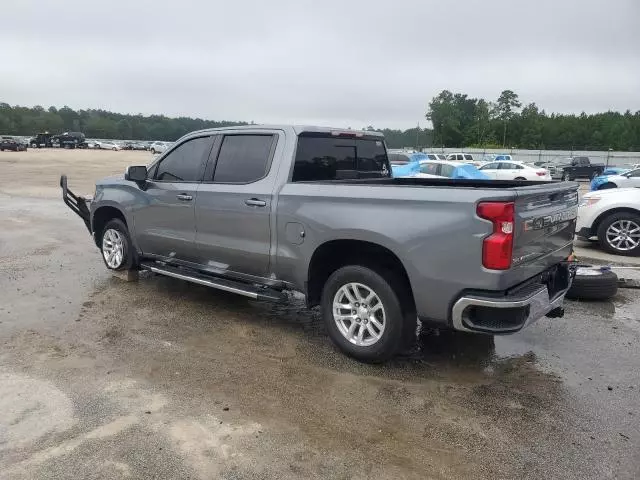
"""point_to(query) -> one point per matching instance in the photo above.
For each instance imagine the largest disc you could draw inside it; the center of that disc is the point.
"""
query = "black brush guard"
(78, 204)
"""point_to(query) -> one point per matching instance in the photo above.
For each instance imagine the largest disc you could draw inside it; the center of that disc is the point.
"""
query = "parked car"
(447, 169)
(13, 144)
(405, 164)
(157, 147)
(612, 217)
(134, 146)
(69, 140)
(514, 171)
(627, 179)
(106, 145)
(578, 167)
(315, 210)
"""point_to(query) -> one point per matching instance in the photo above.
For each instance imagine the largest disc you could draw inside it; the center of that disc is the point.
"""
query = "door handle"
(184, 197)
(254, 202)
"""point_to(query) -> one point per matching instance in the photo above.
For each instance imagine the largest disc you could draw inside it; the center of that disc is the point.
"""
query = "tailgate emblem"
(539, 223)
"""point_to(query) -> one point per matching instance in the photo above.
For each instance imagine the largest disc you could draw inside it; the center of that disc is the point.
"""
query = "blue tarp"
(469, 171)
(604, 178)
(409, 169)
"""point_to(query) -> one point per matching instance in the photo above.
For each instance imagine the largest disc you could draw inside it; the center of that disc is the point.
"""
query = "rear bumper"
(509, 312)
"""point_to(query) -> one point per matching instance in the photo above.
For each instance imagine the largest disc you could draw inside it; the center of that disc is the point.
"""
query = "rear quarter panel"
(434, 231)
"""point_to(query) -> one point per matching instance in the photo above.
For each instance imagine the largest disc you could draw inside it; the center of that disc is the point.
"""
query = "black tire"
(34, 145)
(398, 324)
(607, 222)
(114, 149)
(129, 255)
(566, 177)
(594, 287)
(520, 178)
(153, 152)
(595, 174)
(607, 186)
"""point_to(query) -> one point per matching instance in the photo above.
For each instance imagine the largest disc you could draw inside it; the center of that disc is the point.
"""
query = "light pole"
(608, 155)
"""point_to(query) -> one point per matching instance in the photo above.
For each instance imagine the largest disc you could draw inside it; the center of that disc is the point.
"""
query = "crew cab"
(259, 211)
(578, 167)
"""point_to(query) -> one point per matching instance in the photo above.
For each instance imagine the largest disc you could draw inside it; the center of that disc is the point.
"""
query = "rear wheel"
(153, 151)
(363, 313)
(117, 249)
(566, 177)
(619, 233)
(520, 178)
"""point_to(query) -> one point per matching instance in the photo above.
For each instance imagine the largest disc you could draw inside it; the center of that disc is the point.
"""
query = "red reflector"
(347, 134)
(497, 247)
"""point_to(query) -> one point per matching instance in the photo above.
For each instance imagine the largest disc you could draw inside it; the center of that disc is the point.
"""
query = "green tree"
(505, 109)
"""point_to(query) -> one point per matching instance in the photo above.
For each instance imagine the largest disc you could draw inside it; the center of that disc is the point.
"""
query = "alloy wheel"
(359, 314)
(623, 235)
(113, 248)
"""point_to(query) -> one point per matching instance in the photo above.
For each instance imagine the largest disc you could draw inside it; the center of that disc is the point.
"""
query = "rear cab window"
(323, 156)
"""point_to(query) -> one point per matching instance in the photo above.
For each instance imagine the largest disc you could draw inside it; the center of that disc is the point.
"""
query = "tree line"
(458, 121)
(461, 121)
(27, 121)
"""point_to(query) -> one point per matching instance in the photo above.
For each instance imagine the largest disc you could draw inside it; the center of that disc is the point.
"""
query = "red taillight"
(497, 247)
(541, 173)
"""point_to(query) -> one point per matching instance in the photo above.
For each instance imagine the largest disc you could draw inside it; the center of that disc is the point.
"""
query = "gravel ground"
(106, 379)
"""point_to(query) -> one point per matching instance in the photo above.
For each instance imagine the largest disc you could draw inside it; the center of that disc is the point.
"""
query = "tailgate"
(545, 222)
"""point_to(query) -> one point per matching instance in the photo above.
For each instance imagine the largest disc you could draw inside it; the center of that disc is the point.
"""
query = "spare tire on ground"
(593, 283)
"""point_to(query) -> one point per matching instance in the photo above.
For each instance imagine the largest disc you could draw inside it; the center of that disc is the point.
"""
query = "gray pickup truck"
(259, 211)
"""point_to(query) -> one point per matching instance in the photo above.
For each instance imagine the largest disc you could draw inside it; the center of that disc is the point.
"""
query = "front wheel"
(114, 149)
(619, 233)
(153, 152)
(34, 145)
(117, 249)
(363, 314)
(520, 178)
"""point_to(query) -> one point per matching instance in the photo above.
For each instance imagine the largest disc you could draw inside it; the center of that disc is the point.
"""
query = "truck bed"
(438, 182)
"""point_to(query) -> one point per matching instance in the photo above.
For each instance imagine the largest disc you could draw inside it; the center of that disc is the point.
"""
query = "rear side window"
(322, 157)
(185, 162)
(243, 158)
(468, 157)
(432, 157)
(430, 168)
(459, 157)
(447, 171)
(490, 166)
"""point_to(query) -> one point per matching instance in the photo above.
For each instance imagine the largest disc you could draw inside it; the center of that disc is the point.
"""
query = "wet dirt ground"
(100, 378)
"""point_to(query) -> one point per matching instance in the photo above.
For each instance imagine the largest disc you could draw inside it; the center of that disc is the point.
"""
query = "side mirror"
(136, 174)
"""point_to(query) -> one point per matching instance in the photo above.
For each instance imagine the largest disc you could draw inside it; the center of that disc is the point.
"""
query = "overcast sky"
(344, 63)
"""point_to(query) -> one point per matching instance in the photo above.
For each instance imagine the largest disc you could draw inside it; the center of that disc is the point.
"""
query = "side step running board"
(240, 288)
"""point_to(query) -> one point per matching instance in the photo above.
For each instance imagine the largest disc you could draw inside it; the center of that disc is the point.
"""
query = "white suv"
(613, 216)
(157, 147)
(460, 157)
